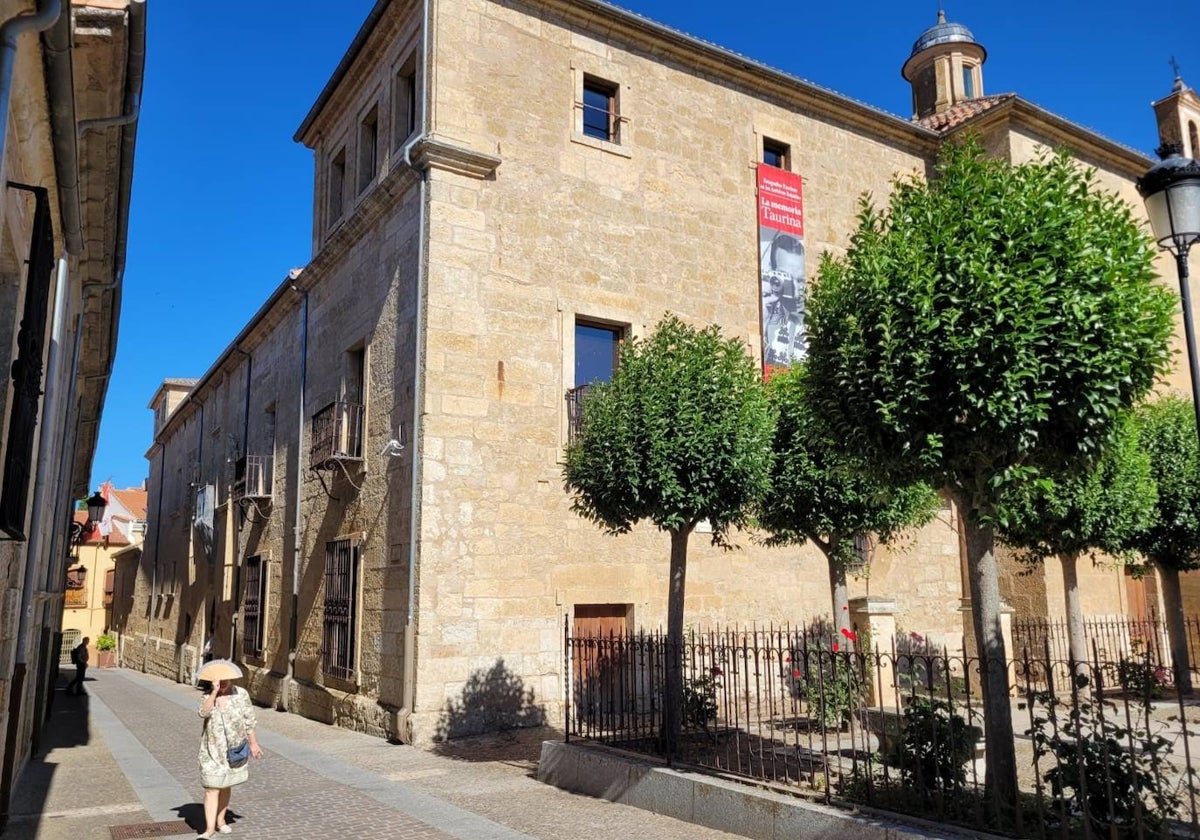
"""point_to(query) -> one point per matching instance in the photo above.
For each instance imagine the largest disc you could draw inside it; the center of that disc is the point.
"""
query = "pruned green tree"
(1080, 514)
(983, 332)
(1167, 431)
(822, 494)
(681, 435)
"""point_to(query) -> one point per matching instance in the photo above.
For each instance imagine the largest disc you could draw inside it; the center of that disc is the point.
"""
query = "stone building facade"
(363, 498)
(70, 83)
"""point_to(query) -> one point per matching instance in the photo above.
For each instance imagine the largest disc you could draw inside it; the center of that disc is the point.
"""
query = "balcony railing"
(75, 598)
(575, 411)
(337, 434)
(252, 477)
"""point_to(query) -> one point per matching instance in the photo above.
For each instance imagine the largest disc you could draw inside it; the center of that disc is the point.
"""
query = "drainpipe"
(65, 456)
(60, 83)
(154, 597)
(10, 32)
(297, 536)
(33, 549)
(235, 613)
(403, 723)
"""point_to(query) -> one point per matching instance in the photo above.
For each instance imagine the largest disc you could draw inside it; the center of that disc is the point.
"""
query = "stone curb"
(714, 802)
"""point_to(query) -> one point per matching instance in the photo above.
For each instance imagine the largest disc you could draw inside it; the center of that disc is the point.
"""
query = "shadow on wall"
(491, 701)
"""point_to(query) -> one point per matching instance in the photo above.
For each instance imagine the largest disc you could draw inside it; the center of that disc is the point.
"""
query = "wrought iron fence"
(901, 730)
(1109, 640)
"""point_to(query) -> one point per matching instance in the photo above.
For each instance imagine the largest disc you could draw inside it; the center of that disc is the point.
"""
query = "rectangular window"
(76, 592)
(968, 81)
(109, 582)
(597, 349)
(254, 607)
(337, 185)
(600, 116)
(775, 153)
(404, 103)
(368, 149)
(341, 609)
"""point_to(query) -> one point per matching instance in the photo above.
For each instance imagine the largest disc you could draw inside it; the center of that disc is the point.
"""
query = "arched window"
(1194, 139)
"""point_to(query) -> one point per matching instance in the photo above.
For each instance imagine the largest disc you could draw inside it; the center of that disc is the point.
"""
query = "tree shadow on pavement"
(496, 718)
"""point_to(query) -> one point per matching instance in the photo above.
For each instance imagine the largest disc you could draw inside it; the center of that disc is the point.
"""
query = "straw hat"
(219, 669)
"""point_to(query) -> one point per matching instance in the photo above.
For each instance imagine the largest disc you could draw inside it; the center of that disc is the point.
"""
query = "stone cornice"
(432, 152)
(609, 22)
(1061, 131)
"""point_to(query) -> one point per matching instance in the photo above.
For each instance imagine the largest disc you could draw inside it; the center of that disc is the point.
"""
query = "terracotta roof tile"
(134, 500)
(964, 111)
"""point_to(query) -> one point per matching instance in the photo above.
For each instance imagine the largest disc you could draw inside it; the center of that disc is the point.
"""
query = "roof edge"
(1118, 155)
(343, 67)
(688, 48)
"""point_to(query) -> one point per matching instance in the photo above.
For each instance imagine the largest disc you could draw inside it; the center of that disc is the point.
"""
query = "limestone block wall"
(666, 221)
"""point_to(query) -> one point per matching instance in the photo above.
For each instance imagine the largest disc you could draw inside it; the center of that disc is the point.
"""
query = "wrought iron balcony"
(575, 412)
(252, 477)
(337, 435)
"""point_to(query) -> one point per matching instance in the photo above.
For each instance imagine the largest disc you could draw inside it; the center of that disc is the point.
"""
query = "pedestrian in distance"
(226, 744)
(79, 658)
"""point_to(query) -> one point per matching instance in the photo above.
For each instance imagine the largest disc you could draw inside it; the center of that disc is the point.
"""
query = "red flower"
(836, 647)
(845, 608)
(849, 634)
(787, 659)
(796, 672)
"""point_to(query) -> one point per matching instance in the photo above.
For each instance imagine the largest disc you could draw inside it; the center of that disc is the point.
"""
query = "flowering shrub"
(1105, 771)
(830, 681)
(1139, 676)
(700, 698)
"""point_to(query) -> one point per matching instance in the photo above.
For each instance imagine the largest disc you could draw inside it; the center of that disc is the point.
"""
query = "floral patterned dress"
(225, 726)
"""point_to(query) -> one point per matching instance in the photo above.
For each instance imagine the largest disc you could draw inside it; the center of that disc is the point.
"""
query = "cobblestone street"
(125, 754)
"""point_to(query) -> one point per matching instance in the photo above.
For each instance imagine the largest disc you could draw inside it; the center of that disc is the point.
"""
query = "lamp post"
(1171, 190)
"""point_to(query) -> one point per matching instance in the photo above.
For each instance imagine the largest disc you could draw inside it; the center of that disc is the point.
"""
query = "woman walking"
(227, 742)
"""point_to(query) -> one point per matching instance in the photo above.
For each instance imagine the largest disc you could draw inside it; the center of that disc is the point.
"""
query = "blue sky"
(222, 197)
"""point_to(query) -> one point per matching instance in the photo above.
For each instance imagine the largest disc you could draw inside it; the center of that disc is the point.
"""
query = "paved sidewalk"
(126, 754)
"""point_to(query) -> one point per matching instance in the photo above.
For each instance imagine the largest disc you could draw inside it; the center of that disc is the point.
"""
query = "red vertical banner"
(782, 278)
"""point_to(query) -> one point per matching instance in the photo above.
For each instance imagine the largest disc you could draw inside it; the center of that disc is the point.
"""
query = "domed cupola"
(945, 67)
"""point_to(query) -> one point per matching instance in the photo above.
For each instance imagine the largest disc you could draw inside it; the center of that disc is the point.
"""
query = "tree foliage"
(986, 331)
(1095, 510)
(821, 493)
(681, 434)
(1167, 429)
(991, 325)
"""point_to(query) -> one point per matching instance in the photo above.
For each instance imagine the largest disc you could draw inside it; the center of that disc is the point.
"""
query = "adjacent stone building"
(363, 496)
(70, 84)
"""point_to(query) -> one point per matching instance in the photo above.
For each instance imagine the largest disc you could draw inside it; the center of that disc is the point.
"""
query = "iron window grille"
(253, 622)
(252, 477)
(341, 609)
(337, 434)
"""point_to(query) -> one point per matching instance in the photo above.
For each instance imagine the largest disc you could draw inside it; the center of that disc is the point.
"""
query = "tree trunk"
(1076, 634)
(673, 699)
(1000, 777)
(841, 599)
(1176, 631)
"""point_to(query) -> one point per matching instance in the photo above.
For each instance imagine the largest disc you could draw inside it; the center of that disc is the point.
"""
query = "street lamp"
(1171, 190)
(96, 505)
